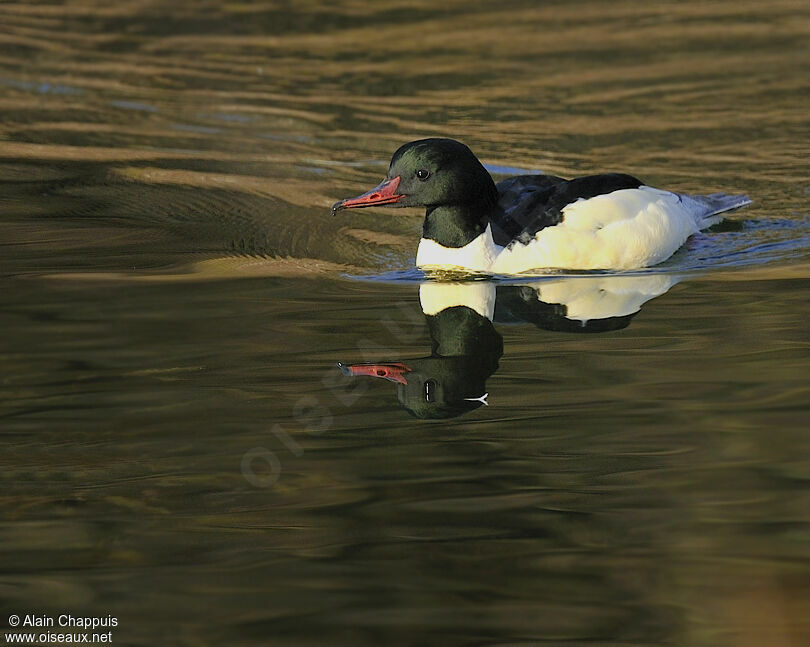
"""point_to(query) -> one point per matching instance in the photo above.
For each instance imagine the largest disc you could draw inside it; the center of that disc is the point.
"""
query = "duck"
(607, 221)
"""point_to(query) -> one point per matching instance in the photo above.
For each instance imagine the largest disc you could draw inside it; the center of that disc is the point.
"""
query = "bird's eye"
(423, 174)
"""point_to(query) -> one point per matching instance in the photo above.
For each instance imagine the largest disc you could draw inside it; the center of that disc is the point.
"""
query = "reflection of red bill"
(393, 371)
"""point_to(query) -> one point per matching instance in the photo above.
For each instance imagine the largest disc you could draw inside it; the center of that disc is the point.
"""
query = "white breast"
(478, 255)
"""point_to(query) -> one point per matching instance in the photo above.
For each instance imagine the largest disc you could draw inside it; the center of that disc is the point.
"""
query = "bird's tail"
(709, 209)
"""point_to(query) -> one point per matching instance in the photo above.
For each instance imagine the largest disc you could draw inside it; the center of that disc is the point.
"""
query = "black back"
(529, 203)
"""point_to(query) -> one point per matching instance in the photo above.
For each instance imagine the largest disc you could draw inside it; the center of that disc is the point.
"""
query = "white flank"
(626, 229)
(477, 295)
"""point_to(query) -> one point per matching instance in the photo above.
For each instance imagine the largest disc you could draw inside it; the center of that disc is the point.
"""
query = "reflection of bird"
(608, 221)
(465, 352)
(466, 347)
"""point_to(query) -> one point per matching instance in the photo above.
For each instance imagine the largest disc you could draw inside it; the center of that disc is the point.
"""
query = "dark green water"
(178, 447)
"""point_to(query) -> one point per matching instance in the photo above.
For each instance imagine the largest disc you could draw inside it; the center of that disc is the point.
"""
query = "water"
(180, 447)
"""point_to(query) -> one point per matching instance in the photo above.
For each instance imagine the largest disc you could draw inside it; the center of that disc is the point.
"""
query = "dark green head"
(431, 173)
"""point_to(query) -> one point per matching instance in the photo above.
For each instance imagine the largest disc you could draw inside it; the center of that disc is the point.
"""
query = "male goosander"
(610, 221)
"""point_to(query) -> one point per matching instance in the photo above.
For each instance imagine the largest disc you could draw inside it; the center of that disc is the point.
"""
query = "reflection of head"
(443, 387)
(452, 381)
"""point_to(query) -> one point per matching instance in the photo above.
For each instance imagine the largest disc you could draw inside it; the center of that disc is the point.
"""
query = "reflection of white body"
(586, 298)
(625, 229)
(435, 296)
(589, 298)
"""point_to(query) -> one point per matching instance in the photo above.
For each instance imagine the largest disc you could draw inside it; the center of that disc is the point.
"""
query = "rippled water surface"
(562, 459)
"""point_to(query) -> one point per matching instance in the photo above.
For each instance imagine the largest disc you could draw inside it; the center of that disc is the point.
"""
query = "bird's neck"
(455, 225)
